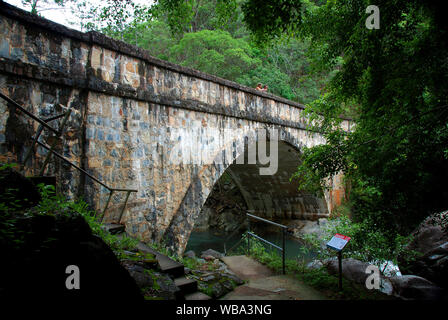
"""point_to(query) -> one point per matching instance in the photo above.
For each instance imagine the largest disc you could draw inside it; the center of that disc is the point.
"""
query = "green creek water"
(202, 240)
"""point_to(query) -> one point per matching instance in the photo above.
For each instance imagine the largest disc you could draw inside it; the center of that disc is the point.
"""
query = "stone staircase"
(188, 288)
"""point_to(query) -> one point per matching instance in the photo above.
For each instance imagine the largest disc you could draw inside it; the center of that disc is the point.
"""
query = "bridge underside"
(277, 196)
(273, 196)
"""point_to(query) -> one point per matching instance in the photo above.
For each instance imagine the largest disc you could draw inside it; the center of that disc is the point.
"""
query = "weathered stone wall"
(138, 122)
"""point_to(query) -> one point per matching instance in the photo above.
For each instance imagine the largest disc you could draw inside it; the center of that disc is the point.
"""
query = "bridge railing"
(43, 123)
(282, 249)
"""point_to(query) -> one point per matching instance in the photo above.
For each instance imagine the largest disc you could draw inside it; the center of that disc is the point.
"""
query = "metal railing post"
(248, 236)
(37, 136)
(53, 145)
(107, 204)
(340, 270)
(284, 249)
(124, 206)
(30, 150)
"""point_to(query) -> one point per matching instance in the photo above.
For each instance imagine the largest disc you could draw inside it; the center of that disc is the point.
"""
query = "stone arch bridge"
(138, 122)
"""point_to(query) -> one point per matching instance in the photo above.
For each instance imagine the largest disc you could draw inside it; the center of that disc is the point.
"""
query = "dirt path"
(263, 284)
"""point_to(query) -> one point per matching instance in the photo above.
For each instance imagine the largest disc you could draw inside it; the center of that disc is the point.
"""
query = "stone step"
(197, 296)
(186, 285)
(113, 228)
(167, 265)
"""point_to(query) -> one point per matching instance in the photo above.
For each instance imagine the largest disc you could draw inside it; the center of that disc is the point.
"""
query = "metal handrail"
(233, 247)
(251, 234)
(267, 221)
(43, 123)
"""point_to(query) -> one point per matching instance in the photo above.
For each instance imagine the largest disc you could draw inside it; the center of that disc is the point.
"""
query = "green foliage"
(320, 163)
(329, 284)
(277, 81)
(210, 36)
(214, 52)
(190, 263)
(395, 79)
(114, 242)
(368, 243)
(10, 235)
(8, 231)
(155, 285)
(52, 203)
(33, 4)
(208, 290)
(163, 248)
(112, 17)
(155, 37)
(195, 15)
(266, 255)
(272, 19)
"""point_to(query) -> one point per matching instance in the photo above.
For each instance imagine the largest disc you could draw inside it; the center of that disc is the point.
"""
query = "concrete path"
(264, 285)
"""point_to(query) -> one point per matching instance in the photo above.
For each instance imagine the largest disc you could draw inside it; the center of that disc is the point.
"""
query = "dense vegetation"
(396, 78)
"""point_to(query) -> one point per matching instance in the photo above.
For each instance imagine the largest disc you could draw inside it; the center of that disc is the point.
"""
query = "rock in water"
(190, 254)
(213, 253)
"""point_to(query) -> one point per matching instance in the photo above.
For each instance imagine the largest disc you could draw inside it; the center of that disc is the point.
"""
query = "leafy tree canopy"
(215, 52)
(395, 79)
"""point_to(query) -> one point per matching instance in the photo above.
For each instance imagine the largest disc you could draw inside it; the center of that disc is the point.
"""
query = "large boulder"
(411, 287)
(407, 287)
(190, 254)
(137, 272)
(352, 269)
(430, 239)
(35, 267)
(215, 279)
(213, 253)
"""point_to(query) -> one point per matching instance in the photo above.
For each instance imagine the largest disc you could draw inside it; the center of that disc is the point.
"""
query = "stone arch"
(177, 234)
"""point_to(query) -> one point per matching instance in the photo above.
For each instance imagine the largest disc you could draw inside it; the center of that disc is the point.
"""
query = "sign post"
(337, 243)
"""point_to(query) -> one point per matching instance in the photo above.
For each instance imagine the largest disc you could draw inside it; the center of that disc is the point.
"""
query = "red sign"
(342, 237)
